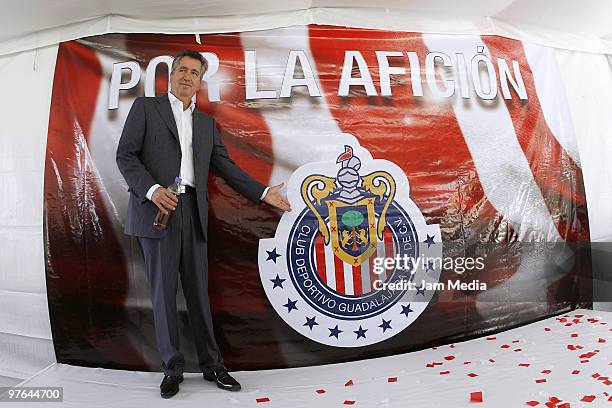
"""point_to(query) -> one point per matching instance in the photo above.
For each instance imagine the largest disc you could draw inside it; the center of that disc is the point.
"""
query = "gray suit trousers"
(181, 251)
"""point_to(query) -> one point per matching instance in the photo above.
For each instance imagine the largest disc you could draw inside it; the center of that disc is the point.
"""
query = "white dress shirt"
(184, 124)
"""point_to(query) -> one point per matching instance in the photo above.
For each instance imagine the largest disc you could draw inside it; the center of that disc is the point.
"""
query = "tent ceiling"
(568, 24)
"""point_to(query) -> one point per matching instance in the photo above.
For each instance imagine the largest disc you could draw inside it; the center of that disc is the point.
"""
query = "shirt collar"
(174, 100)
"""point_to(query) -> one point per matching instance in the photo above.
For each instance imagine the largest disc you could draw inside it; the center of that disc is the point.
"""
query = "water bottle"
(162, 220)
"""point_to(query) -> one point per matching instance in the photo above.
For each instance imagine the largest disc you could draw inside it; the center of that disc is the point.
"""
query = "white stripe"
(330, 269)
(508, 182)
(365, 276)
(349, 287)
(301, 127)
(551, 93)
(380, 253)
(501, 164)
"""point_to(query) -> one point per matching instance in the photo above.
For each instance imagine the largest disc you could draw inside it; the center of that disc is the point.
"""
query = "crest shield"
(353, 230)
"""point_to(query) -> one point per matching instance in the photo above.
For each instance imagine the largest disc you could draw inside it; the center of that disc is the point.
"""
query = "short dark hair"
(191, 54)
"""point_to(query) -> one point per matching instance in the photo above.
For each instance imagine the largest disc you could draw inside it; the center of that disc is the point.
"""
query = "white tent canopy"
(566, 24)
(31, 29)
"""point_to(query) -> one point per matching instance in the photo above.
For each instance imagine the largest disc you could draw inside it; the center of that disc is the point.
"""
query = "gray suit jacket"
(149, 152)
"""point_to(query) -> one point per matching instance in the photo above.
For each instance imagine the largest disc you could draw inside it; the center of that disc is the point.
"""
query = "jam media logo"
(320, 271)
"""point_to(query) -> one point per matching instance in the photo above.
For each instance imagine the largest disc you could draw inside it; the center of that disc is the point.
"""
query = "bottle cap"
(178, 180)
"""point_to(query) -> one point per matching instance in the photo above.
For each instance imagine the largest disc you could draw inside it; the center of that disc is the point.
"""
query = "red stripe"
(373, 276)
(82, 241)
(85, 262)
(320, 255)
(339, 269)
(556, 174)
(421, 135)
(389, 247)
(357, 280)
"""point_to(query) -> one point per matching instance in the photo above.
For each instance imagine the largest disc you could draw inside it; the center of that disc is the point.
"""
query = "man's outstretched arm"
(239, 180)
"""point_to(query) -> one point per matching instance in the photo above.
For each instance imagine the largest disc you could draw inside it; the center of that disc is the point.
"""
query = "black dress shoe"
(170, 386)
(223, 379)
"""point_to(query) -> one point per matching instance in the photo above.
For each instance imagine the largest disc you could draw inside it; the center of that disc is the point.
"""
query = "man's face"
(185, 79)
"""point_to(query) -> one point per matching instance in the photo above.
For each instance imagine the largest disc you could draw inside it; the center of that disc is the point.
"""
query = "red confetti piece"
(607, 382)
(564, 405)
(467, 362)
(578, 346)
(348, 383)
(609, 399)
(595, 375)
(532, 403)
(320, 391)
(562, 320)
(518, 350)
(588, 398)
(547, 329)
(476, 396)
(260, 400)
(392, 379)
(576, 372)
(472, 375)
(584, 361)
(568, 324)
(430, 365)
(578, 316)
(571, 347)
(516, 341)
(574, 334)
(541, 380)
(546, 371)
(602, 378)
(349, 402)
(551, 404)
(437, 364)
(449, 358)
(491, 338)
(524, 365)
(601, 340)
(491, 360)
(504, 346)
(444, 372)
(554, 400)
(576, 320)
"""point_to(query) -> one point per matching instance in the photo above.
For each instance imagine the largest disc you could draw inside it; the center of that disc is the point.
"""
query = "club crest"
(320, 271)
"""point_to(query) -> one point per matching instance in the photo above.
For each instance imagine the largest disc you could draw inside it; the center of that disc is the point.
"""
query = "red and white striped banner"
(501, 170)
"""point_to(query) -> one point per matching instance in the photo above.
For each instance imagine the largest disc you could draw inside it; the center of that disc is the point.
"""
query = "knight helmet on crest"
(351, 209)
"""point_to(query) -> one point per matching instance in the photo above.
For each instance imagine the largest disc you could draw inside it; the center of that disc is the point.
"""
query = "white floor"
(443, 377)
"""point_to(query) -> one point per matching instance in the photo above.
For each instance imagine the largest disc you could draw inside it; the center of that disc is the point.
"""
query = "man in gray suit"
(164, 137)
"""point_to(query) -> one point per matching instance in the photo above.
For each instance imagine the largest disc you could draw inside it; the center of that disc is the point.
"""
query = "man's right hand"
(164, 200)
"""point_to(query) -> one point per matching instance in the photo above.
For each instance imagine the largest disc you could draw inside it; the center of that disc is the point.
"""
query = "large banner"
(435, 182)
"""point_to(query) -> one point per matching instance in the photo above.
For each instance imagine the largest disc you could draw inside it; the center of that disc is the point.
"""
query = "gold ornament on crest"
(345, 208)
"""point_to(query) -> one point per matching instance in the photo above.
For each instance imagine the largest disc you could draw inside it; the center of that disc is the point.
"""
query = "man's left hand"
(276, 199)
